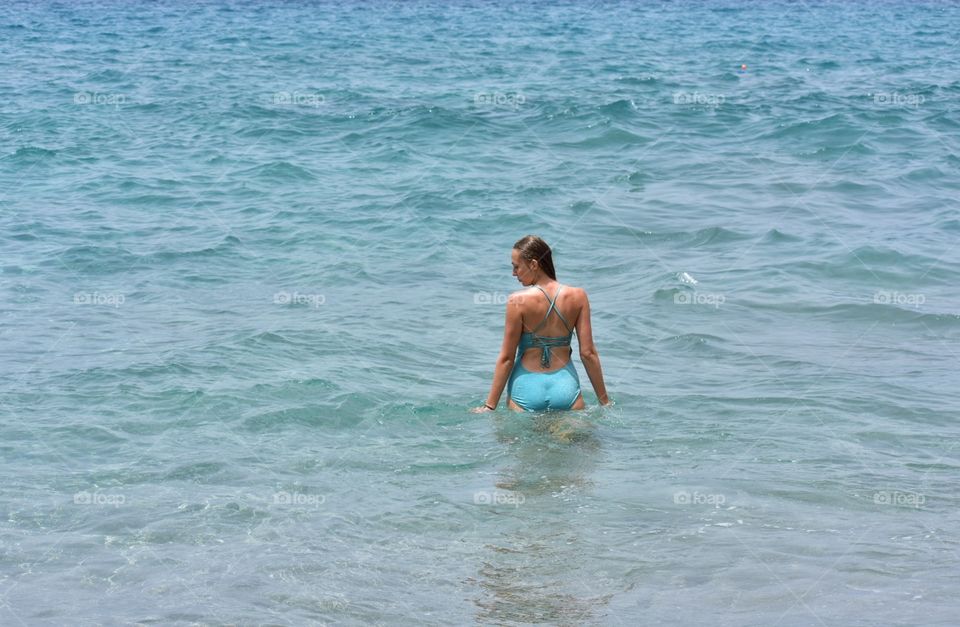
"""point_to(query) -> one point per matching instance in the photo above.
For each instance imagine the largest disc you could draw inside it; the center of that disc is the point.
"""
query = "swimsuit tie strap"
(545, 344)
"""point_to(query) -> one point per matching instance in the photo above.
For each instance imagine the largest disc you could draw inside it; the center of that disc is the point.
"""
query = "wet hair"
(532, 247)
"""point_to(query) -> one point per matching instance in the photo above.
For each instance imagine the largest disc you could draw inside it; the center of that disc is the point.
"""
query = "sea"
(254, 260)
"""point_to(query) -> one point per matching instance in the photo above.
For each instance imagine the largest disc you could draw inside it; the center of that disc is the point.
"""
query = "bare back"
(534, 306)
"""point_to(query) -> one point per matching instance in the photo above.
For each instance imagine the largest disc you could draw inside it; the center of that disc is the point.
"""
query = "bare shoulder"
(577, 294)
(517, 298)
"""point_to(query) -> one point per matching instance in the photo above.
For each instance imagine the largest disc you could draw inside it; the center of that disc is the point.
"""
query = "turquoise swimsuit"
(534, 391)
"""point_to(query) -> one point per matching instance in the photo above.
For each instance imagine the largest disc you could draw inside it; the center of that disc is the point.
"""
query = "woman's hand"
(480, 410)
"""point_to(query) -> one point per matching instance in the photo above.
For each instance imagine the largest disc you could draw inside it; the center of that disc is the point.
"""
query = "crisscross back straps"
(553, 307)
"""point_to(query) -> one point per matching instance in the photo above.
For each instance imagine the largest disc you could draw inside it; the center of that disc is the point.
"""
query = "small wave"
(106, 76)
(473, 193)
(839, 150)
(702, 237)
(923, 175)
(94, 433)
(886, 256)
(42, 229)
(771, 43)
(638, 80)
(775, 236)
(686, 278)
(424, 200)
(951, 225)
(828, 64)
(714, 235)
(267, 337)
(942, 119)
(204, 279)
(924, 320)
(194, 472)
(665, 294)
(288, 388)
(422, 116)
(834, 127)
(619, 108)
(278, 172)
(536, 191)
(441, 118)
(257, 112)
(145, 107)
(408, 60)
(870, 263)
(159, 370)
(107, 259)
(637, 178)
(310, 415)
(228, 244)
(610, 138)
(153, 200)
(30, 154)
(862, 190)
(94, 259)
(272, 132)
(693, 342)
(865, 312)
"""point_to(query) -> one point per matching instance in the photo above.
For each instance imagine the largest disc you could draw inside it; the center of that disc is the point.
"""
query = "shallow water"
(254, 259)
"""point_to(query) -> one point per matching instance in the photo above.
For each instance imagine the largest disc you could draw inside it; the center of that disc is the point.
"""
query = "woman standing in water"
(543, 376)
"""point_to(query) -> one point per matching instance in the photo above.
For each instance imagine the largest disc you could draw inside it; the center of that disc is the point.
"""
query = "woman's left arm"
(512, 329)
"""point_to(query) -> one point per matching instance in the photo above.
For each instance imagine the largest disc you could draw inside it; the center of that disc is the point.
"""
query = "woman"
(543, 375)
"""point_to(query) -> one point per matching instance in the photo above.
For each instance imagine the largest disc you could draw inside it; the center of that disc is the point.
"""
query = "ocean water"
(254, 258)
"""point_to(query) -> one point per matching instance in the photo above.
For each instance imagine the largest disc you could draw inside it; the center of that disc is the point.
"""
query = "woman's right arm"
(588, 352)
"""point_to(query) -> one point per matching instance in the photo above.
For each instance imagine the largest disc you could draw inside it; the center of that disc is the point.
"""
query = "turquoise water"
(254, 259)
